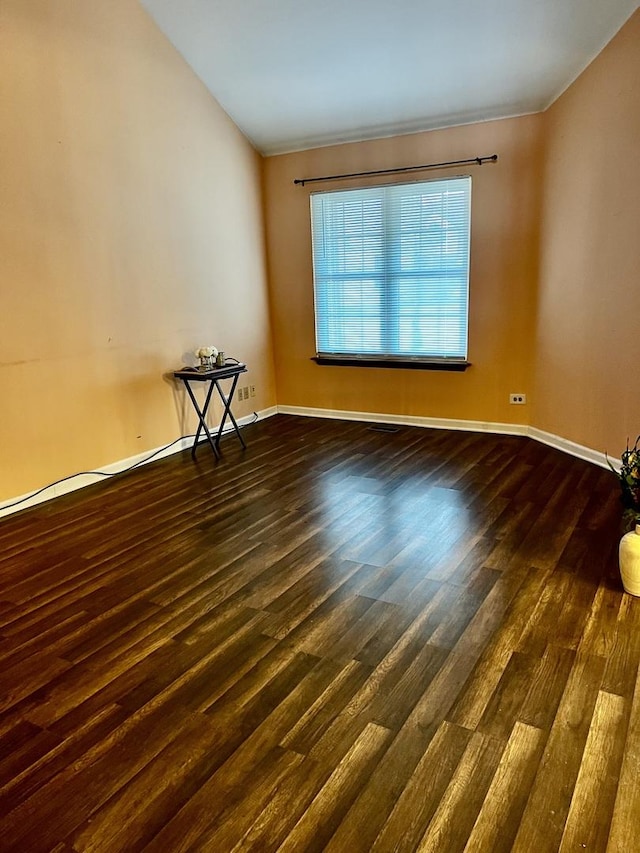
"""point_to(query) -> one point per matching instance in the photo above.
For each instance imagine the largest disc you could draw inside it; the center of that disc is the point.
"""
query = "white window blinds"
(391, 270)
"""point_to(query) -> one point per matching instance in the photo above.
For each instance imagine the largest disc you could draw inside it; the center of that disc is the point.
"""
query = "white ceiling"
(295, 74)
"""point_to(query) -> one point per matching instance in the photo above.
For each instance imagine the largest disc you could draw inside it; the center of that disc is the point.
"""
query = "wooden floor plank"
(545, 816)
(623, 835)
(340, 638)
(589, 817)
(622, 664)
(546, 688)
(366, 817)
(229, 802)
(473, 700)
(417, 804)
(499, 817)
(503, 710)
(321, 817)
(463, 797)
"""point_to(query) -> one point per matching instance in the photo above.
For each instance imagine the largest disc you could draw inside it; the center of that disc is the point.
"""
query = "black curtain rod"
(476, 161)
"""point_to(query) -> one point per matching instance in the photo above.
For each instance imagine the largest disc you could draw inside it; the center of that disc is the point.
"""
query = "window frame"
(390, 278)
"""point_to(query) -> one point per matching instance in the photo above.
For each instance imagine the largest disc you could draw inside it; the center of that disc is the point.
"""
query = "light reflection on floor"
(369, 522)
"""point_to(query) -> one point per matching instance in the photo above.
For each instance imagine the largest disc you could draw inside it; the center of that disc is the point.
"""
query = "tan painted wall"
(130, 232)
(588, 340)
(505, 219)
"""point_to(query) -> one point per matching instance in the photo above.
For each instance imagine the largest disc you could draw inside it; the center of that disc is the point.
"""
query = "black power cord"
(115, 473)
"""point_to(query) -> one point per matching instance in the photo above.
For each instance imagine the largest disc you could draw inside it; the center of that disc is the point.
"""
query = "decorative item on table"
(629, 553)
(220, 359)
(207, 356)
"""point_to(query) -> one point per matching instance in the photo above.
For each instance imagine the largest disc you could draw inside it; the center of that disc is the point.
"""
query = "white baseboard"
(556, 441)
(406, 420)
(573, 449)
(79, 481)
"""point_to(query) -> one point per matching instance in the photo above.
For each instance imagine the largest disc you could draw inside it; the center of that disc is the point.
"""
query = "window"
(391, 271)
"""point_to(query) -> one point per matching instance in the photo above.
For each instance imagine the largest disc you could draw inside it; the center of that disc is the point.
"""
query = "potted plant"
(629, 553)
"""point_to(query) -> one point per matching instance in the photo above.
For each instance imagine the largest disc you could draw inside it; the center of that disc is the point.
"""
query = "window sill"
(410, 364)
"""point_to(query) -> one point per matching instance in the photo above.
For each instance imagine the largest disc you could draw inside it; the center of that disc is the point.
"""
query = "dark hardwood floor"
(342, 639)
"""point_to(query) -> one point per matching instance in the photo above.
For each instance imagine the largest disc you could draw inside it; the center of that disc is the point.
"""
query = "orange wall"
(505, 220)
(588, 339)
(130, 232)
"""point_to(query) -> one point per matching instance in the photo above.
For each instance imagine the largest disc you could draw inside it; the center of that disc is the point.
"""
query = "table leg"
(202, 425)
(227, 411)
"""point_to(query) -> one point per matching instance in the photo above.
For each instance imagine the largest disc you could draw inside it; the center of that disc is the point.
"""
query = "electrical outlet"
(246, 392)
(240, 394)
(517, 399)
(252, 390)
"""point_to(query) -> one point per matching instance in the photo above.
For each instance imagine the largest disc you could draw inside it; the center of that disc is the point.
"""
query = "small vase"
(630, 561)
(207, 362)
